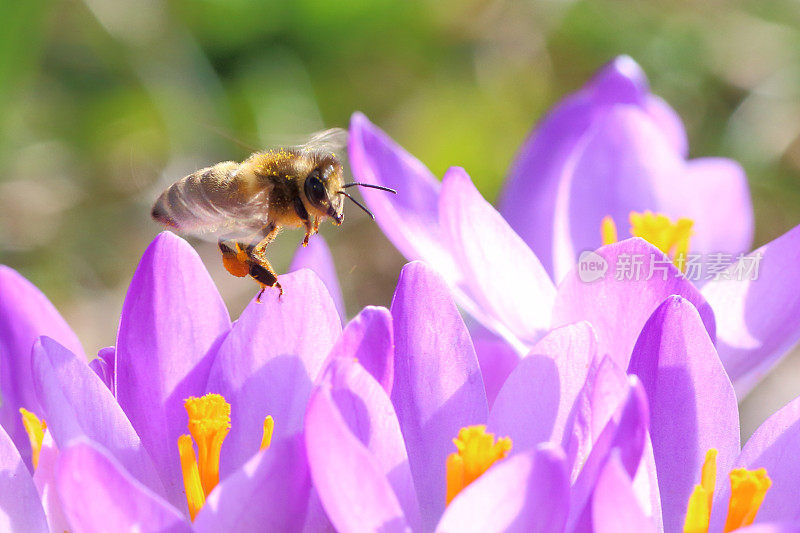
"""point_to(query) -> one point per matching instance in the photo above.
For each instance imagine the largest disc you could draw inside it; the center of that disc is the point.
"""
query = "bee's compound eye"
(315, 189)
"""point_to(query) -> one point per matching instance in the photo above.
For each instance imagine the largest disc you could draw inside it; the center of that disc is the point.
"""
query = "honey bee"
(245, 205)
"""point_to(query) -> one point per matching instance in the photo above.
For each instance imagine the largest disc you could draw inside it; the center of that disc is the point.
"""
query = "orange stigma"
(209, 424)
(476, 452)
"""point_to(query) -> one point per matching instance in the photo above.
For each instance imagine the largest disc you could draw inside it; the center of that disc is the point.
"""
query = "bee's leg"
(302, 213)
(312, 228)
(309, 233)
(265, 277)
(234, 257)
(259, 267)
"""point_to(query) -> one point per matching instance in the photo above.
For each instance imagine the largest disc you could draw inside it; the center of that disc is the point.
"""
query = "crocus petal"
(717, 199)
(774, 446)
(437, 381)
(368, 412)
(268, 493)
(316, 517)
(369, 339)
(599, 399)
(622, 166)
(45, 480)
(608, 390)
(25, 314)
(758, 320)
(410, 219)
(103, 366)
(618, 308)
(529, 199)
(645, 486)
(501, 274)
(76, 403)
(626, 435)
(614, 504)
(619, 81)
(610, 140)
(598, 404)
(20, 507)
(781, 527)
(496, 356)
(534, 404)
(269, 361)
(351, 484)
(99, 495)
(171, 319)
(528, 492)
(317, 257)
(668, 122)
(692, 403)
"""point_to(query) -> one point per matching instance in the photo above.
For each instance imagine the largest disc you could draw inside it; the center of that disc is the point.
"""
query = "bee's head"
(321, 189)
(325, 190)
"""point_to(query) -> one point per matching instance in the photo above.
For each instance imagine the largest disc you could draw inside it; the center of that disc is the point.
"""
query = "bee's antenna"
(369, 186)
(367, 211)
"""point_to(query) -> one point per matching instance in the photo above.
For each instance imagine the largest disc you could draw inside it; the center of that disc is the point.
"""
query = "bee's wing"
(327, 142)
(211, 203)
(332, 140)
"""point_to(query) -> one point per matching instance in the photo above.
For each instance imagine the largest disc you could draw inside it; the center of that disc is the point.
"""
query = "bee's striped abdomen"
(205, 201)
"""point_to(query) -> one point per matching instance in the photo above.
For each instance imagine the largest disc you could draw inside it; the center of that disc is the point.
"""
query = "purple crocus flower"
(491, 271)
(20, 506)
(118, 464)
(377, 448)
(635, 446)
(693, 410)
(317, 256)
(25, 314)
(607, 150)
(499, 280)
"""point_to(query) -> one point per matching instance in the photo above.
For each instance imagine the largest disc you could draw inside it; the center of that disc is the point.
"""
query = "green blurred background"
(105, 102)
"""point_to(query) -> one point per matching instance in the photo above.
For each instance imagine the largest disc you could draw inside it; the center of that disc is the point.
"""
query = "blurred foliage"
(103, 103)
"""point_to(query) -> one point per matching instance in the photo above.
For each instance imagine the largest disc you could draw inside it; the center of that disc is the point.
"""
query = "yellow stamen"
(708, 475)
(698, 513)
(195, 498)
(608, 230)
(266, 439)
(209, 423)
(477, 451)
(748, 488)
(672, 238)
(35, 428)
